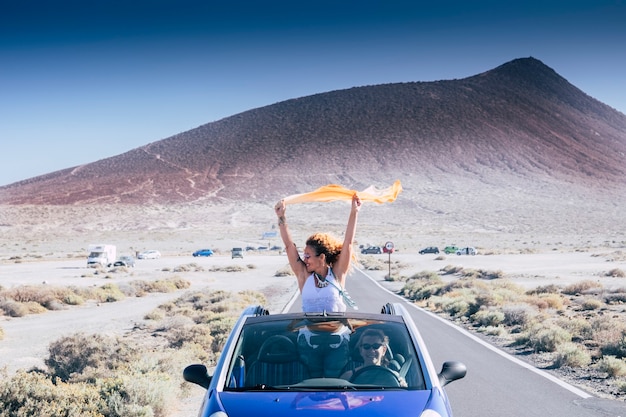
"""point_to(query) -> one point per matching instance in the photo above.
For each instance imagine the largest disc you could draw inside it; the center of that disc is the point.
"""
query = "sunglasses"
(367, 346)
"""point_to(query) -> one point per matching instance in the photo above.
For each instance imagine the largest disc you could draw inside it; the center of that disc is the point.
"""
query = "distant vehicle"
(128, 261)
(236, 253)
(101, 254)
(429, 249)
(149, 254)
(372, 250)
(203, 252)
(450, 249)
(467, 251)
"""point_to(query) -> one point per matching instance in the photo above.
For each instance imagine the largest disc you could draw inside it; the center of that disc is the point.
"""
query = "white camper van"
(101, 255)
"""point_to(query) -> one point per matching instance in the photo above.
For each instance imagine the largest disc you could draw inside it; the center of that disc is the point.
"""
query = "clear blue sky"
(85, 80)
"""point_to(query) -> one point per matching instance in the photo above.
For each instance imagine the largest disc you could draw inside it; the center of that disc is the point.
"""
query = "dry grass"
(570, 323)
(135, 375)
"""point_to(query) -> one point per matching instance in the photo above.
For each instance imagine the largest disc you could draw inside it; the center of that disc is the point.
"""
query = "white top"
(315, 300)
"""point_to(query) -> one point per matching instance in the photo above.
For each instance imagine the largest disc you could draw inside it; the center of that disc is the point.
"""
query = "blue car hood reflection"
(361, 403)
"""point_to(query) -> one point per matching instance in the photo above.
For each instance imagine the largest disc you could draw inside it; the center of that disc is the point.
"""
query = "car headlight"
(430, 413)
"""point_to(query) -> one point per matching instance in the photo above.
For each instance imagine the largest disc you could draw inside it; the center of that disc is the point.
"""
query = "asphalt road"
(496, 384)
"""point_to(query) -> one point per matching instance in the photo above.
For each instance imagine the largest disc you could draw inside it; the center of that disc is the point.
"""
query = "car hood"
(357, 403)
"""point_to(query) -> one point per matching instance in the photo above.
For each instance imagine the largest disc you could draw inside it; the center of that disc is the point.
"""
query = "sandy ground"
(27, 338)
(48, 245)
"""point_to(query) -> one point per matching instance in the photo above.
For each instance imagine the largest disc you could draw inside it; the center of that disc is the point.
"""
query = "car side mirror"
(451, 371)
(197, 374)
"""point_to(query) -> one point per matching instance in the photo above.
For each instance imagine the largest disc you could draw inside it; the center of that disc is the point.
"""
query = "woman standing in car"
(325, 263)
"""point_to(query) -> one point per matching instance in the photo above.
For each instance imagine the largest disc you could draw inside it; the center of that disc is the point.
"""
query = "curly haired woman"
(325, 263)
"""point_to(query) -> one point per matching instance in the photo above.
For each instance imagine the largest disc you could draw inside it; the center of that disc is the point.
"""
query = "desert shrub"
(493, 330)
(1, 333)
(613, 366)
(189, 268)
(372, 264)
(181, 331)
(33, 307)
(455, 307)
(615, 298)
(284, 272)
(426, 276)
(451, 269)
(229, 268)
(518, 315)
(13, 309)
(506, 292)
(422, 285)
(488, 317)
(544, 289)
(571, 354)
(73, 299)
(108, 293)
(620, 386)
(546, 338)
(139, 394)
(616, 272)
(71, 355)
(483, 274)
(614, 343)
(41, 294)
(581, 287)
(470, 273)
(546, 301)
(155, 315)
(163, 286)
(35, 394)
(579, 328)
(591, 304)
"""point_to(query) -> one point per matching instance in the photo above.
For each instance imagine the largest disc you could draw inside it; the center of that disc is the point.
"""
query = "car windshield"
(324, 353)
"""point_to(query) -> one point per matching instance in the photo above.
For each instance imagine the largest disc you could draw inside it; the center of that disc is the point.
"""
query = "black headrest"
(278, 349)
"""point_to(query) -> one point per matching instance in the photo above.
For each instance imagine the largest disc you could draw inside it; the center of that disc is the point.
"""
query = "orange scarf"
(334, 192)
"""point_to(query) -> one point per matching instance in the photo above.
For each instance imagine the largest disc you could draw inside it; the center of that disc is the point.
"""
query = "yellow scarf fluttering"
(334, 192)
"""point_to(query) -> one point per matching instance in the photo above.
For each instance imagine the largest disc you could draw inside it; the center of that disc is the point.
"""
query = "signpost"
(389, 248)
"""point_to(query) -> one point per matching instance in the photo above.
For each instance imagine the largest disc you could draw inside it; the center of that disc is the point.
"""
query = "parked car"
(372, 250)
(149, 254)
(262, 368)
(236, 253)
(128, 261)
(467, 251)
(429, 249)
(203, 252)
(450, 249)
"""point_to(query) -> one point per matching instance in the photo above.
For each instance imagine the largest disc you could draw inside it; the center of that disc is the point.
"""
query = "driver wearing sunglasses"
(373, 345)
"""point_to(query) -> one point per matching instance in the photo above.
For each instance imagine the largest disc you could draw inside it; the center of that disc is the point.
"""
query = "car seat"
(277, 363)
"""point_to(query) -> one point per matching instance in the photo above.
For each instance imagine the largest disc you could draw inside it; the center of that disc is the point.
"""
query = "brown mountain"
(519, 126)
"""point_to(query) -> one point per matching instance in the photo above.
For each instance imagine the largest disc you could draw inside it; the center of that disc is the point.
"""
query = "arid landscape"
(515, 162)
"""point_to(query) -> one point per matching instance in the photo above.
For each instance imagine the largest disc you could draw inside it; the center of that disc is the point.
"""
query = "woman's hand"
(356, 203)
(280, 209)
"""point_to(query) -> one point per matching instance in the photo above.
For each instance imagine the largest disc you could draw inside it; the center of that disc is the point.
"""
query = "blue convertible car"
(364, 364)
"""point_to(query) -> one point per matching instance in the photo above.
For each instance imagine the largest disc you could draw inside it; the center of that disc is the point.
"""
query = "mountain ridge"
(518, 123)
